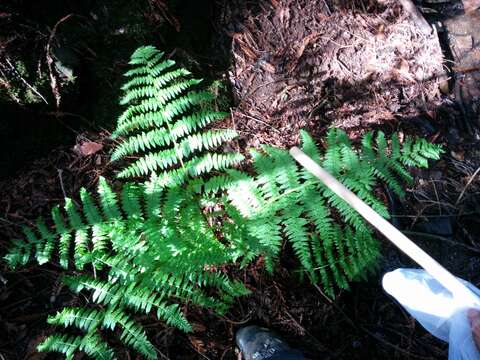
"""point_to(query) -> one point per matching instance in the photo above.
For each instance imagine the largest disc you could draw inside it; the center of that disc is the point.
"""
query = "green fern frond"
(94, 346)
(108, 200)
(91, 211)
(132, 334)
(331, 240)
(154, 247)
(91, 344)
(44, 253)
(389, 164)
(173, 316)
(84, 319)
(64, 344)
(156, 251)
(164, 125)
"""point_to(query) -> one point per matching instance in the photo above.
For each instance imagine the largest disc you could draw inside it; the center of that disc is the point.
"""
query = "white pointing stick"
(450, 282)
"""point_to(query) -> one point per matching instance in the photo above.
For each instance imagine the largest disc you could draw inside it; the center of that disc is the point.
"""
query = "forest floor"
(358, 65)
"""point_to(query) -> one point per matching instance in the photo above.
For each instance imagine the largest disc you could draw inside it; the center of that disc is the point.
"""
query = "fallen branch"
(466, 186)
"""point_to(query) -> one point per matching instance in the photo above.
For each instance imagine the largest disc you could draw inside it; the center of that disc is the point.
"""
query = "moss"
(14, 89)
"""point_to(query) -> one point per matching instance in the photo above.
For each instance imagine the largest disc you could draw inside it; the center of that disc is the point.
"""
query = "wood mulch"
(313, 64)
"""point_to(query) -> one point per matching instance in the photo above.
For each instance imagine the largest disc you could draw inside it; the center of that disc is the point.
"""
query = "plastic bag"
(435, 309)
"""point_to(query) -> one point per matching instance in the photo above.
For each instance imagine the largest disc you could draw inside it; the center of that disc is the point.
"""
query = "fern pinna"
(164, 125)
(331, 240)
(151, 249)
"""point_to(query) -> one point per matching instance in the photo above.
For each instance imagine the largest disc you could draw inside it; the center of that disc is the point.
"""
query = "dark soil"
(358, 65)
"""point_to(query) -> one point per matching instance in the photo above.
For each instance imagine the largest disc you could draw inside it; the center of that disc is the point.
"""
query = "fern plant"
(157, 245)
(164, 124)
(150, 249)
(331, 240)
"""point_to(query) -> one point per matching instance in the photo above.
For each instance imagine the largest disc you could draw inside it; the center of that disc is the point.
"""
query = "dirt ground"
(303, 64)
(358, 65)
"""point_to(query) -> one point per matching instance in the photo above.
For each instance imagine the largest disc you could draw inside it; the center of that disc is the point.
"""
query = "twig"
(435, 216)
(53, 79)
(436, 195)
(312, 338)
(297, 324)
(342, 65)
(329, 11)
(60, 171)
(441, 238)
(466, 70)
(466, 186)
(199, 353)
(162, 354)
(330, 301)
(260, 121)
(241, 322)
(25, 81)
(351, 33)
(230, 348)
(65, 114)
(9, 222)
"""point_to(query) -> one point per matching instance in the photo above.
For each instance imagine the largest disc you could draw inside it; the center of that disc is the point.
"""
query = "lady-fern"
(331, 240)
(157, 252)
(164, 123)
(155, 246)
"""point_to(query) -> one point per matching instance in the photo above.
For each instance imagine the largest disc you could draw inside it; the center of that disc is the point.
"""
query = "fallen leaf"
(198, 344)
(432, 114)
(244, 46)
(90, 147)
(458, 155)
(402, 71)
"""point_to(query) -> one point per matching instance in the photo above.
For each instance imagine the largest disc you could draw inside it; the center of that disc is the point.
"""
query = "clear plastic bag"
(435, 308)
